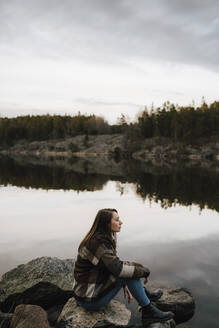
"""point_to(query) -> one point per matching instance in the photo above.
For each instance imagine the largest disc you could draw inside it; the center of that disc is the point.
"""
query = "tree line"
(45, 127)
(184, 124)
(179, 123)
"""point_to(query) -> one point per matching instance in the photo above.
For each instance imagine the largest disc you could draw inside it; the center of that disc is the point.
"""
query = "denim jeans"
(135, 287)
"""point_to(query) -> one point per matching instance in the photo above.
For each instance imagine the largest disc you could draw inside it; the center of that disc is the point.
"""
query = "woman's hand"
(145, 280)
(127, 294)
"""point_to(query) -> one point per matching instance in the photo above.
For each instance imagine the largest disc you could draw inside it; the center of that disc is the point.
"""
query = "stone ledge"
(72, 315)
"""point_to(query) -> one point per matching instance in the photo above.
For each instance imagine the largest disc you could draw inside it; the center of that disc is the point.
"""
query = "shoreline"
(157, 150)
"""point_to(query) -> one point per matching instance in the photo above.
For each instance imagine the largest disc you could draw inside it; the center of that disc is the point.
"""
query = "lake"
(170, 219)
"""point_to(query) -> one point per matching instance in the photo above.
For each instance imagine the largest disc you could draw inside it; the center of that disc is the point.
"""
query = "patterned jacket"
(97, 268)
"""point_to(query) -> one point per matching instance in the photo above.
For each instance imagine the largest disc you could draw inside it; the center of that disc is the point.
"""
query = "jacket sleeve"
(122, 269)
(133, 263)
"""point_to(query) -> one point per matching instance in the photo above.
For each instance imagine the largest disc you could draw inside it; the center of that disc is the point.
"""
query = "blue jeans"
(135, 287)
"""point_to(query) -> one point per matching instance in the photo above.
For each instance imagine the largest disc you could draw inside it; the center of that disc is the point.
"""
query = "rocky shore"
(39, 294)
(156, 150)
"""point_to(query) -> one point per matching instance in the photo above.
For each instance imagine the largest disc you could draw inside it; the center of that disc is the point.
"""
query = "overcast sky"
(106, 56)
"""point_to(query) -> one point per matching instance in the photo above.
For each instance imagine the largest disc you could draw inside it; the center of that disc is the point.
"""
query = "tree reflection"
(185, 187)
(168, 187)
(46, 177)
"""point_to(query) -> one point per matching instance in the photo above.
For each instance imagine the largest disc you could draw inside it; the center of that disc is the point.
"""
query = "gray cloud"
(113, 31)
(99, 102)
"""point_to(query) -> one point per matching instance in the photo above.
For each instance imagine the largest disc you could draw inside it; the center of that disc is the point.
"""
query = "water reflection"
(180, 244)
(192, 264)
(31, 175)
(189, 262)
(168, 187)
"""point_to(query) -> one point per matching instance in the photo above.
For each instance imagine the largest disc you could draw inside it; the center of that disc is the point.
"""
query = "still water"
(178, 243)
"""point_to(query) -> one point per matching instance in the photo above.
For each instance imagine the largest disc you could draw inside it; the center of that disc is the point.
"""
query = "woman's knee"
(134, 281)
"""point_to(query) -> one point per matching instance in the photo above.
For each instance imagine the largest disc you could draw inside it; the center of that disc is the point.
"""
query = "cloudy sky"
(106, 56)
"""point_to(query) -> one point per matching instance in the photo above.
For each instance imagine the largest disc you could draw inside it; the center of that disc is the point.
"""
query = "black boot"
(153, 296)
(151, 314)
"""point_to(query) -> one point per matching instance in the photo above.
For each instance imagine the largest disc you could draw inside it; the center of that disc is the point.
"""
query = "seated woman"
(99, 273)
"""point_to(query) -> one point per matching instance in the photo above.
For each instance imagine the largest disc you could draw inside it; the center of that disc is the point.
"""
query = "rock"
(73, 316)
(168, 324)
(47, 282)
(101, 144)
(51, 269)
(29, 316)
(44, 294)
(54, 312)
(5, 319)
(176, 299)
(43, 281)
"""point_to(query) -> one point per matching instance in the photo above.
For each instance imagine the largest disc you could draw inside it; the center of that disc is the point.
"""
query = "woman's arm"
(122, 269)
(127, 293)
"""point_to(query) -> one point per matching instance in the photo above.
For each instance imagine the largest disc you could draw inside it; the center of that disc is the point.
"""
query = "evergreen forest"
(179, 123)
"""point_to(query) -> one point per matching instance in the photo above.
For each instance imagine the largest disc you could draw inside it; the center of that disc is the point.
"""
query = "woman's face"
(115, 222)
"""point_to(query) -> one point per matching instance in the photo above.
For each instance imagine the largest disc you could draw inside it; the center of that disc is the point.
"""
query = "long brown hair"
(101, 224)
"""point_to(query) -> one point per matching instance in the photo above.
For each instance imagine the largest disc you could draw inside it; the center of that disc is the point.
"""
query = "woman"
(99, 273)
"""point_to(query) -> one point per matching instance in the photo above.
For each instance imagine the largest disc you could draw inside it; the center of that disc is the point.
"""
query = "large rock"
(51, 269)
(43, 293)
(44, 281)
(29, 316)
(176, 299)
(167, 324)
(73, 316)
